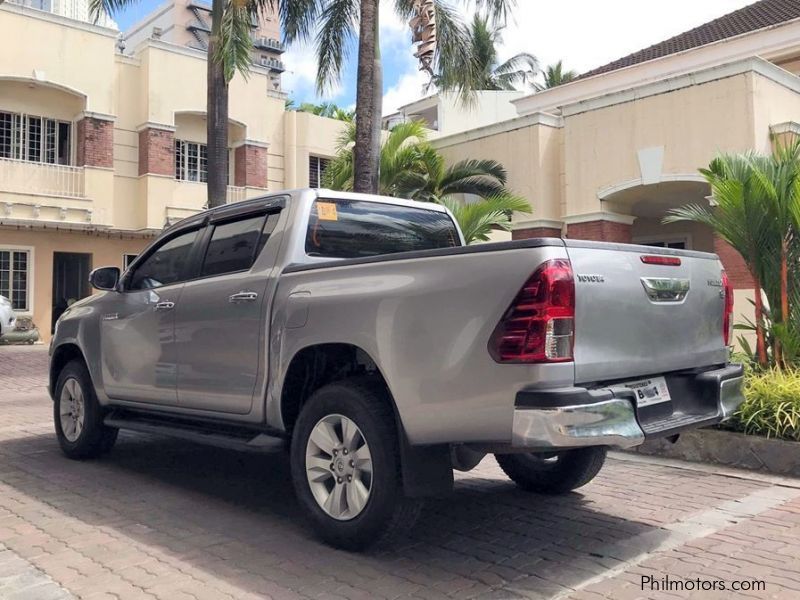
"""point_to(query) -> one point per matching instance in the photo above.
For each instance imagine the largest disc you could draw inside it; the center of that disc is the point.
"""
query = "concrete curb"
(730, 448)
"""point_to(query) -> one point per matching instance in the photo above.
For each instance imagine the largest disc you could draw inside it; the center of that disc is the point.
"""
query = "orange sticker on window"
(326, 211)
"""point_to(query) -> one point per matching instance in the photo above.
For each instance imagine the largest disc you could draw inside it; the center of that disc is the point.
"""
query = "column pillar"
(601, 227)
(734, 265)
(250, 164)
(156, 149)
(95, 141)
(537, 228)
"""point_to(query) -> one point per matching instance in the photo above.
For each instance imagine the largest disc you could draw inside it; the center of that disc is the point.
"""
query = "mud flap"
(427, 470)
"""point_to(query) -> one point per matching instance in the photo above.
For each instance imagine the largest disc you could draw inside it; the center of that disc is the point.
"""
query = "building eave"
(771, 42)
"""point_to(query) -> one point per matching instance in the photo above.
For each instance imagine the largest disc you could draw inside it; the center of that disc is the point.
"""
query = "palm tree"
(337, 22)
(411, 168)
(229, 52)
(483, 72)
(554, 75)
(740, 219)
(777, 181)
(327, 109)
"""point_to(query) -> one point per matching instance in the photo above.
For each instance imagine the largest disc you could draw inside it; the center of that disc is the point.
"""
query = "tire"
(556, 473)
(378, 516)
(80, 430)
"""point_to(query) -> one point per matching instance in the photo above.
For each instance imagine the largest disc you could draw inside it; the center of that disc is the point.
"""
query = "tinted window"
(166, 265)
(234, 246)
(355, 228)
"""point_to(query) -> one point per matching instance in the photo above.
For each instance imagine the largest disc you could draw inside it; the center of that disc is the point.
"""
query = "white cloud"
(408, 88)
(590, 34)
(300, 59)
(584, 34)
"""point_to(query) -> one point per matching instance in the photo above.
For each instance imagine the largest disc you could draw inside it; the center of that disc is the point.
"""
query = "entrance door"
(70, 281)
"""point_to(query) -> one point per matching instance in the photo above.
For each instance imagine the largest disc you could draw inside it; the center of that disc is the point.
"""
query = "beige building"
(605, 157)
(99, 149)
(445, 114)
(188, 23)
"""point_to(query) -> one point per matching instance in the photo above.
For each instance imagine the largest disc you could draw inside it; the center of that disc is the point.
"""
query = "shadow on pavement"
(234, 516)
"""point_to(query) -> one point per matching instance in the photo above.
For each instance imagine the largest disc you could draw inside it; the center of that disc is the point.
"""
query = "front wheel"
(77, 415)
(346, 468)
(553, 473)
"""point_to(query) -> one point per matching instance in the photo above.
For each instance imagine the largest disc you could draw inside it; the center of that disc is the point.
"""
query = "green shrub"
(772, 405)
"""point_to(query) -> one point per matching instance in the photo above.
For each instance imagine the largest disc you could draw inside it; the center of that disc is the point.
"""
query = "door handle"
(243, 297)
(165, 306)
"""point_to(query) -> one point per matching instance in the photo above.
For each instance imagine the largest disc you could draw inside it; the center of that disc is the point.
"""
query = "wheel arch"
(317, 365)
(426, 470)
(60, 357)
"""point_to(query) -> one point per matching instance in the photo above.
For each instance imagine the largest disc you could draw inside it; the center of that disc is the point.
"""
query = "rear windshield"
(355, 229)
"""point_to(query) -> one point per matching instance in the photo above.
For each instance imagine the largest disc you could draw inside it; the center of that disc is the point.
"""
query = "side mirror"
(104, 278)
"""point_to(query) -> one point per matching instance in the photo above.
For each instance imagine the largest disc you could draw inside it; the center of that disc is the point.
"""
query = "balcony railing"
(235, 194)
(24, 177)
(267, 43)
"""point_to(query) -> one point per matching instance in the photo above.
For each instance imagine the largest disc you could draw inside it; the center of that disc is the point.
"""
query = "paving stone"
(159, 518)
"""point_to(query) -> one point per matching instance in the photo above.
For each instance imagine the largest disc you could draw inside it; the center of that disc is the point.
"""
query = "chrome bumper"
(613, 421)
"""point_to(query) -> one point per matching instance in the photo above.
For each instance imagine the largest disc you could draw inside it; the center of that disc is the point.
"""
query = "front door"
(137, 327)
(219, 326)
(70, 281)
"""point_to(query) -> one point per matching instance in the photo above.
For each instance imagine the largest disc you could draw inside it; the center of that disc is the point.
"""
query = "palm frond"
(478, 219)
(298, 17)
(235, 45)
(473, 169)
(339, 19)
(97, 8)
(498, 10)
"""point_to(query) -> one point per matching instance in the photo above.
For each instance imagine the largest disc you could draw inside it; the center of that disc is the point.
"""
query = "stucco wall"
(105, 251)
(307, 134)
(531, 154)
(52, 53)
(691, 124)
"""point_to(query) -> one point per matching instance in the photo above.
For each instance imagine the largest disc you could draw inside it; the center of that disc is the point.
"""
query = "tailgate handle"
(665, 289)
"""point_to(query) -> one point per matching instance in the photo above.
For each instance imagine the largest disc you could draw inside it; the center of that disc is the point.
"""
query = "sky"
(582, 33)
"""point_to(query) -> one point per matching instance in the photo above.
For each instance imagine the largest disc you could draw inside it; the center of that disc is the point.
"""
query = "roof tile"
(749, 18)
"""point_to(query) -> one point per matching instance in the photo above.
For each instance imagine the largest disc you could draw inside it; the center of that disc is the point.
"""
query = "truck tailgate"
(635, 318)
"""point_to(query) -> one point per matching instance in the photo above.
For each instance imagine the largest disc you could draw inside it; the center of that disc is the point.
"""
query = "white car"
(7, 317)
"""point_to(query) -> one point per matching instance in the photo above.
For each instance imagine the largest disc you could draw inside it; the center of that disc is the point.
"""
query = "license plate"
(649, 391)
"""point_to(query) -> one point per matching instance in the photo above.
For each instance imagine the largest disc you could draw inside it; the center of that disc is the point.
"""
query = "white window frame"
(126, 261)
(31, 277)
(182, 170)
(319, 170)
(20, 138)
(686, 238)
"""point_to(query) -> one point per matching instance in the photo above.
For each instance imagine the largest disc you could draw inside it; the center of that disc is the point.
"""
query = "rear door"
(218, 324)
(635, 317)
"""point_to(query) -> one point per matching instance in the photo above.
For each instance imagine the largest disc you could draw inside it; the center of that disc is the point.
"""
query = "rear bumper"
(608, 416)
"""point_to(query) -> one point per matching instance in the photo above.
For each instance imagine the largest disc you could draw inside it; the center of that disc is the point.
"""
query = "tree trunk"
(217, 116)
(761, 342)
(779, 358)
(369, 101)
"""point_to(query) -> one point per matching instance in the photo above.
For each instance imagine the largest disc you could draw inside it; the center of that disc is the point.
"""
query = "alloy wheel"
(72, 409)
(339, 467)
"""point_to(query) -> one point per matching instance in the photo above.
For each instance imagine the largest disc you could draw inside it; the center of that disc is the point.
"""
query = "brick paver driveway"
(160, 518)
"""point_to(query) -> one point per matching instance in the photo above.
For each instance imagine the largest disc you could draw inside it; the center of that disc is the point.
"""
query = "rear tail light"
(539, 325)
(670, 261)
(727, 319)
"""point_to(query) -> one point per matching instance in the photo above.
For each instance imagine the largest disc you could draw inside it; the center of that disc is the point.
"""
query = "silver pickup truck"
(361, 333)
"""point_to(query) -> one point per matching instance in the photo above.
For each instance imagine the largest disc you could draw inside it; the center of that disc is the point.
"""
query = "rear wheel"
(77, 415)
(346, 468)
(553, 473)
